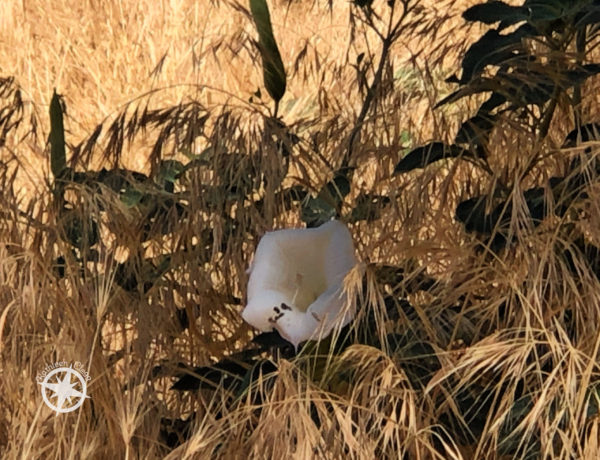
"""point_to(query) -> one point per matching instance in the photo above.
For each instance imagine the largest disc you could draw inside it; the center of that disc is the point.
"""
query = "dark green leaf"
(476, 130)
(492, 12)
(428, 154)
(271, 340)
(60, 267)
(481, 85)
(116, 180)
(495, 100)
(472, 213)
(58, 160)
(414, 356)
(169, 171)
(133, 274)
(535, 198)
(583, 251)
(336, 189)
(585, 133)
(589, 14)
(316, 211)
(369, 207)
(546, 10)
(523, 86)
(273, 70)
(226, 374)
(528, 87)
(131, 197)
(263, 370)
(174, 432)
(493, 49)
(326, 205)
(593, 397)
(80, 232)
(510, 441)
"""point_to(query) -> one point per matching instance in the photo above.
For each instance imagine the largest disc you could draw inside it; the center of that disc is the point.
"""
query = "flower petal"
(296, 281)
(261, 311)
(296, 327)
(329, 309)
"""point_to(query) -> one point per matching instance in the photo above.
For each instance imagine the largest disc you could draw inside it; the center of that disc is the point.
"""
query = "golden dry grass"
(496, 358)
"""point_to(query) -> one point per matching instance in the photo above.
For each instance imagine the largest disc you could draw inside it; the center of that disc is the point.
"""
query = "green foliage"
(327, 204)
(515, 73)
(58, 159)
(369, 207)
(524, 83)
(427, 154)
(492, 12)
(273, 70)
(532, 60)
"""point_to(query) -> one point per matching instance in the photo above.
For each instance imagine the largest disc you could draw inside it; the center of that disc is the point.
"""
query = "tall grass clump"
(457, 141)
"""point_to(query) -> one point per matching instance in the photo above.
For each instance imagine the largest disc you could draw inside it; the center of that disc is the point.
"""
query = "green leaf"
(131, 197)
(326, 205)
(169, 170)
(472, 214)
(134, 274)
(493, 49)
(510, 440)
(546, 10)
(336, 189)
(273, 70)
(523, 86)
(80, 232)
(168, 174)
(585, 133)
(317, 211)
(415, 357)
(476, 130)
(115, 179)
(58, 161)
(492, 12)
(590, 14)
(369, 207)
(428, 154)
(593, 397)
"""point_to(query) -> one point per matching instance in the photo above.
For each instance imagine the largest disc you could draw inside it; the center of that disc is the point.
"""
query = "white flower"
(296, 282)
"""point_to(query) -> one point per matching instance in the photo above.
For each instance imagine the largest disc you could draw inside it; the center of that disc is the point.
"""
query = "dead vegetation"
(132, 259)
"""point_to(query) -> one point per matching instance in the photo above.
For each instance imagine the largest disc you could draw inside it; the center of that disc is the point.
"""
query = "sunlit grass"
(457, 351)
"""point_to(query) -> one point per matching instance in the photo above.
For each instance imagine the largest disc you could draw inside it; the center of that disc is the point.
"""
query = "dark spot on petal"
(285, 307)
(276, 310)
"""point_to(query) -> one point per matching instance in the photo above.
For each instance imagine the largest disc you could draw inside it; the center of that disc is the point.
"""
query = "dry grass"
(469, 354)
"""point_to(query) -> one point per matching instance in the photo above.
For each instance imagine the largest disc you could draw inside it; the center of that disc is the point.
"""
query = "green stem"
(580, 46)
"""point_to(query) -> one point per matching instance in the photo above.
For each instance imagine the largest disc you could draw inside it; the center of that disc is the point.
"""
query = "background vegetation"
(459, 148)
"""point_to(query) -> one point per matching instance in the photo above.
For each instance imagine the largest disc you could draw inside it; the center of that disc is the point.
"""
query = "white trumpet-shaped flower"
(296, 282)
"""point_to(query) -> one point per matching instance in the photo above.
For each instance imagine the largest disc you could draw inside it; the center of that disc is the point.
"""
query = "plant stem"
(389, 39)
(580, 46)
